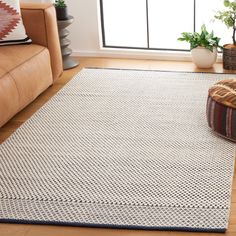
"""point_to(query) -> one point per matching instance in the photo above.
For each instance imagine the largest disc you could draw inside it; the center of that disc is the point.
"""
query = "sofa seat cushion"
(25, 72)
(14, 55)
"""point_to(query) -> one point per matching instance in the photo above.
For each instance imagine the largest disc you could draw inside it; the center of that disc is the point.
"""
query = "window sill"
(151, 54)
(140, 54)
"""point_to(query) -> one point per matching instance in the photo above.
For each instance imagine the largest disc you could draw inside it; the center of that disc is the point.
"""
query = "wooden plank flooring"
(15, 122)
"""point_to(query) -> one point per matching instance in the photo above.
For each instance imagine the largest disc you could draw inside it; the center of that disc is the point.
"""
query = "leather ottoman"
(221, 108)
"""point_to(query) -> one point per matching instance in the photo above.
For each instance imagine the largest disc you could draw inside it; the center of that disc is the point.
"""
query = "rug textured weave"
(122, 149)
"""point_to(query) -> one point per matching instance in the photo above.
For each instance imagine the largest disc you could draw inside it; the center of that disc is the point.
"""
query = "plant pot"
(204, 58)
(229, 57)
(62, 13)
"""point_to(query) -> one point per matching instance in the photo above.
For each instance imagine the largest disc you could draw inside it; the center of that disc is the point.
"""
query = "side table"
(68, 62)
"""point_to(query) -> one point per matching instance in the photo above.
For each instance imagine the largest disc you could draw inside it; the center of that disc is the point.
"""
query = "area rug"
(120, 149)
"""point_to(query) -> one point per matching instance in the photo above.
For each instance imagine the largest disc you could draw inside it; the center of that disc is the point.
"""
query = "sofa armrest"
(41, 26)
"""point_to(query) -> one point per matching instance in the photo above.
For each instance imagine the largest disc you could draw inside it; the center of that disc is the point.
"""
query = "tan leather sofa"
(27, 70)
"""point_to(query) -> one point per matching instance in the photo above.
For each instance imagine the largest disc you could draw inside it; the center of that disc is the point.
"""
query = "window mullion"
(194, 15)
(148, 43)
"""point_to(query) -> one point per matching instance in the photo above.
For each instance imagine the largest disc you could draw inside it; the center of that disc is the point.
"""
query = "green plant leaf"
(60, 3)
(203, 39)
(226, 3)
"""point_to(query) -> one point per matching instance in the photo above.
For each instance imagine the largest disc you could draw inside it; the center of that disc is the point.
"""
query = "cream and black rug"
(121, 149)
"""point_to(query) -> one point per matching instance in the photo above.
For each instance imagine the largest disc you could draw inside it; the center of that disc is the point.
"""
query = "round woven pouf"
(221, 108)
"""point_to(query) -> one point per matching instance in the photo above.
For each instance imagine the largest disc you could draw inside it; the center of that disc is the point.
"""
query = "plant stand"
(68, 62)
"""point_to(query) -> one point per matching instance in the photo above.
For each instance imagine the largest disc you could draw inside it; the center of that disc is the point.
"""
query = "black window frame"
(148, 41)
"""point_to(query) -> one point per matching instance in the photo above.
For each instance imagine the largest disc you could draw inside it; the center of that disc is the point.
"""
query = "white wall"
(43, 1)
(84, 31)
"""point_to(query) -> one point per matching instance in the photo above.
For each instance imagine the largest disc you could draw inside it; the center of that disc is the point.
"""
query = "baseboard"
(138, 54)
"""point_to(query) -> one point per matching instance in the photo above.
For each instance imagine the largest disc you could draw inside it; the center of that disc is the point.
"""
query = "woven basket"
(229, 58)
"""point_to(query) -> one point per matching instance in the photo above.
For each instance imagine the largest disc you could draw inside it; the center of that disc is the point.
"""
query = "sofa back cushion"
(12, 30)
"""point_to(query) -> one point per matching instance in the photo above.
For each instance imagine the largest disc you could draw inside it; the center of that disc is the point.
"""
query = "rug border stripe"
(113, 226)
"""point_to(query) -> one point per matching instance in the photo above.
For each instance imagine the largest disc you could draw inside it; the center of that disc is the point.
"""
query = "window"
(156, 24)
(124, 26)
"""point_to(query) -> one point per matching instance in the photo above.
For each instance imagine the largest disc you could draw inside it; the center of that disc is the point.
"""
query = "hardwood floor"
(20, 118)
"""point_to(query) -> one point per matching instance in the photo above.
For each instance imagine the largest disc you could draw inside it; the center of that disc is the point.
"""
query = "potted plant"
(203, 47)
(61, 10)
(228, 17)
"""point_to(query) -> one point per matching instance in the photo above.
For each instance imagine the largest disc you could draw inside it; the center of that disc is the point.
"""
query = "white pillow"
(12, 30)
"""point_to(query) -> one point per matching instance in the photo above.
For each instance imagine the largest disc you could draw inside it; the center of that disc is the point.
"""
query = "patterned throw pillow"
(12, 30)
